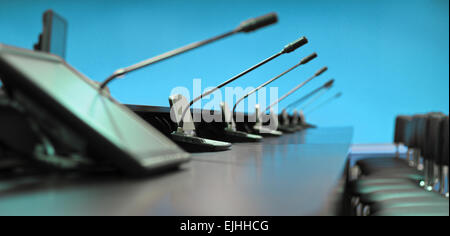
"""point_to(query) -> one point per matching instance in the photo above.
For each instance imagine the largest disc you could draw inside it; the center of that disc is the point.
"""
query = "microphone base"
(241, 137)
(298, 128)
(267, 132)
(195, 144)
(287, 129)
(309, 126)
(305, 127)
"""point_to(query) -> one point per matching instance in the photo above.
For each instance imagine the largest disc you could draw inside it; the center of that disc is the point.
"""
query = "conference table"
(296, 174)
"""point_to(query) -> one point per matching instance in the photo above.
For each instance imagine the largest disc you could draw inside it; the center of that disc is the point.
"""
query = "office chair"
(394, 187)
(372, 165)
(436, 203)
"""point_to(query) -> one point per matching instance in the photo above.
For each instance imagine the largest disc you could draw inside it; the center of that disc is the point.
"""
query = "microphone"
(188, 137)
(302, 62)
(287, 49)
(317, 74)
(288, 124)
(336, 96)
(300, 116)
(258, 127)
(245, 27)
(230, 132)
(297, 121)
(324, 90)
(327, 85)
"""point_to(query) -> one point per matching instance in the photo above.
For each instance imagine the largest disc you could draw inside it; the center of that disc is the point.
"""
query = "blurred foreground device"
(53, 38)
(74, 120)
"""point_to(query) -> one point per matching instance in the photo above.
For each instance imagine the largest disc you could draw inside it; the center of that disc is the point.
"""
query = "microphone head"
(295, 45)
(321, 71)
(329, 84)
(257, 23)
(308, 58)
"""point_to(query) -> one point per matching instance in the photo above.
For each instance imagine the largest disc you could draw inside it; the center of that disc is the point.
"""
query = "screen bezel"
(47, 33)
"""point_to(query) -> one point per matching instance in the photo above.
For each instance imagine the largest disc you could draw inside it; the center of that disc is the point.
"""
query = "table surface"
(295, 174)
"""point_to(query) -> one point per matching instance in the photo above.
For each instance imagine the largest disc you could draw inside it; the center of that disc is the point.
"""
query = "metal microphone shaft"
(162, 57)
(235, 78)
(246, 26)
(338, 95)
(289, 93)
(302, 62)
(317, 74)
(287, 49)
(313, 99)
(328, 84)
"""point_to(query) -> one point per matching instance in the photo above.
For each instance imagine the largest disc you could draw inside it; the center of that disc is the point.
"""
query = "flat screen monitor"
(114, 131)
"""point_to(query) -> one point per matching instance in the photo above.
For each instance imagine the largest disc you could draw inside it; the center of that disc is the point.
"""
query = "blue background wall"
(388, 57)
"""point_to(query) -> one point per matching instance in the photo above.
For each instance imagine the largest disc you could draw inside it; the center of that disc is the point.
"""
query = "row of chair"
(416, 185)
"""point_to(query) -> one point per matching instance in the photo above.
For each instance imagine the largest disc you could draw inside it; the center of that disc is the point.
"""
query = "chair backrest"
(421, 131)
(445, 143)
(178, 103)
(433, 142)
(414, 131)
(410, 129)
(400, 127)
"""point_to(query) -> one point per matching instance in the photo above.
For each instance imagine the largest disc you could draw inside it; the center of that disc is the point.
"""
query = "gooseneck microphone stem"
(235, 78)
(317, 74)
(245, 27)
(229, 81)
(302, 62)
(304, 98)
(163, 57)
(295, 104)
(338, 95)
(287, 49)
(314, 99)
(261, 86)
(290, 92)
